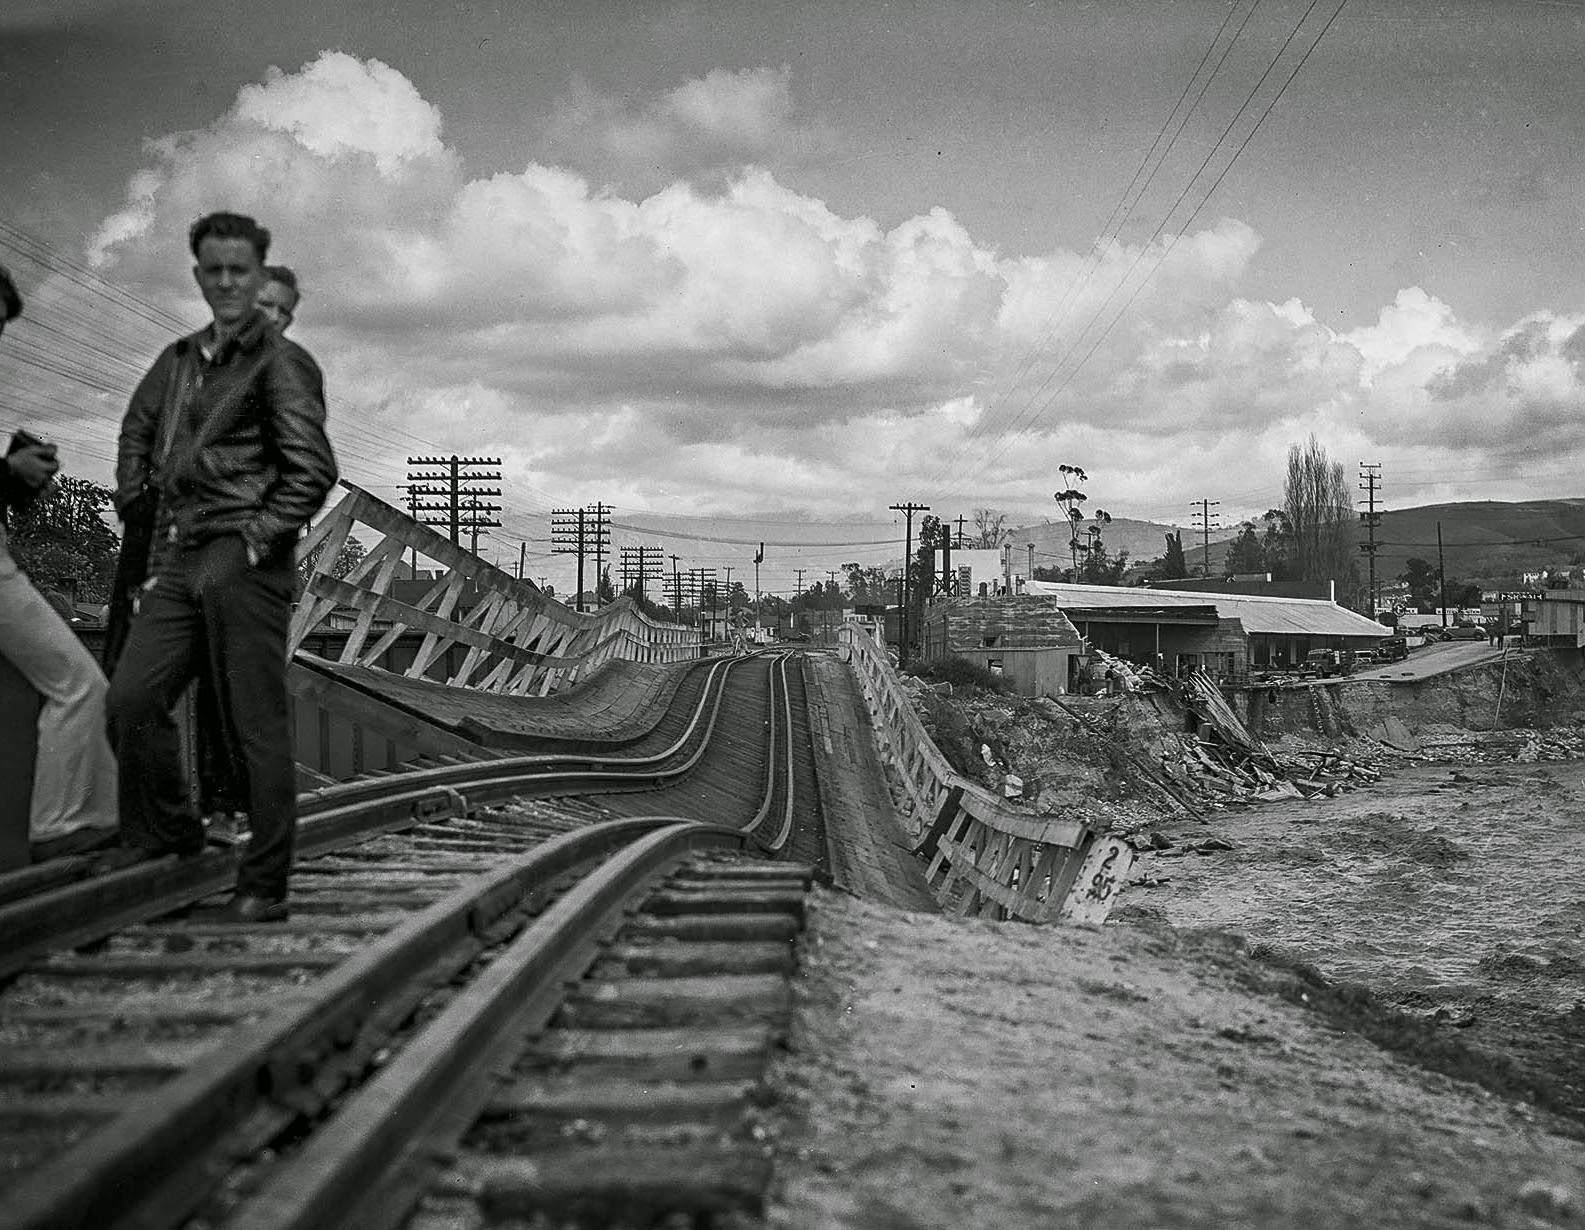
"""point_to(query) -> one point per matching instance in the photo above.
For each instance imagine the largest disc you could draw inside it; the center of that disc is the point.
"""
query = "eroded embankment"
(1536, 689)
(1340, 1011)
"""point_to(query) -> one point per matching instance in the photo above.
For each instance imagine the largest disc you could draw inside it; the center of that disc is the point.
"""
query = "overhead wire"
(1021, 424)
(1110, 233)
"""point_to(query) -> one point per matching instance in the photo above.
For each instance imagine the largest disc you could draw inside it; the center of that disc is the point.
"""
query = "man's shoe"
(246, 908)
(78, 841)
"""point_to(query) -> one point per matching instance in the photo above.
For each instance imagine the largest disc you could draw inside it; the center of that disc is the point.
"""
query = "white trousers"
(74, 776)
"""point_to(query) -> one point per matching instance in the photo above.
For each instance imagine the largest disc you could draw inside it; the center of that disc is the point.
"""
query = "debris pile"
(1160, 748)
(1521, 745)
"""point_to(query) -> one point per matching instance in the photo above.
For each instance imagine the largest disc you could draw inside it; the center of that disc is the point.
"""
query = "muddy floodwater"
(1454, 893)
(1368, 1013)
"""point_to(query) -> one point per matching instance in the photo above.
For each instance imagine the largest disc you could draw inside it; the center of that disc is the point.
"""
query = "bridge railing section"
(982, 857)
(517, 640)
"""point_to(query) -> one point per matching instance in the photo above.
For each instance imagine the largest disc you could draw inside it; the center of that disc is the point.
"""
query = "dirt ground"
(1368, 1013)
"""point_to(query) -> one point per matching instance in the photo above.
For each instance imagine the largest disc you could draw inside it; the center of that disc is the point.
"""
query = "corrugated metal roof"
(1258, 614)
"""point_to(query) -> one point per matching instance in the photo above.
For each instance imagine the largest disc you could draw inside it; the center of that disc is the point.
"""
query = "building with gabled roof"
(1225, 633)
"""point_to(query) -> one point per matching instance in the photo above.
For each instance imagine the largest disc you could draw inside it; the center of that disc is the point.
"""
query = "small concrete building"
(1029, 640)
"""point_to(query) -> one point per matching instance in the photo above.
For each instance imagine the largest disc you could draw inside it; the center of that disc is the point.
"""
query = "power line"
(1008, 437)
(1109, 234)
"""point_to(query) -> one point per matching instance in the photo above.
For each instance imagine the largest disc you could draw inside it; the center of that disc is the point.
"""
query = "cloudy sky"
(778, 267)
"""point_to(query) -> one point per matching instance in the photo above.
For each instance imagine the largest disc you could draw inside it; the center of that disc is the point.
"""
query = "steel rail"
(371, 1161)
(147, 1166)
(422, 786)
(778, 758)
(86, 910)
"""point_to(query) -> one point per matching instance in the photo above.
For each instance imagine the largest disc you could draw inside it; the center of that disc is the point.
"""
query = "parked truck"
(1326, 663)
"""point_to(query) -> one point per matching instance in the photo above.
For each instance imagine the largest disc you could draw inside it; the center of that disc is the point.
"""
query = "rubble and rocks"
(1126, 762)
(1164, 750)
(1523, 745)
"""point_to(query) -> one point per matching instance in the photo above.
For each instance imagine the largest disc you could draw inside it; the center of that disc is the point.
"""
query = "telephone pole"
(908, 510)
(701, 582)
(1441, 572)
(1205, 516)
(581, 532)
(1371, 520)
(440, 493)
(640, 565)
(599, 516)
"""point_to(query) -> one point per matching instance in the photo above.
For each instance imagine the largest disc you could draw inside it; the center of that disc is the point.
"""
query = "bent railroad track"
(158, 1068)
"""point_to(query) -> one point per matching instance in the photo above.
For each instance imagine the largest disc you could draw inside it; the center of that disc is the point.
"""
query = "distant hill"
(1143, 540)
(1484, 540)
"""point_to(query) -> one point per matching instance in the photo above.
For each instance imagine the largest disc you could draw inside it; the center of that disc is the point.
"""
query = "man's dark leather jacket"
(229, 444)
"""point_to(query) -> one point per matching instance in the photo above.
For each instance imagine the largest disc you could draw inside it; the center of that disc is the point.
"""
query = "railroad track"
(174, 1068)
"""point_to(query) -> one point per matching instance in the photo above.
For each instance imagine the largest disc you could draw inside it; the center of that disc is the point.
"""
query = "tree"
(988, 525)
(63, 543)
(1173, 566)
(1100, 569)
(1421, 578)
(1320, 510)
(351, 554)
(604, 591)
(1245, 555)
(1276, 545)
(868, 586)
(1069, 499)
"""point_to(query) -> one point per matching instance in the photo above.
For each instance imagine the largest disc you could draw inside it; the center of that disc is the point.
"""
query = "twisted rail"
(984, 858)
(519, 642)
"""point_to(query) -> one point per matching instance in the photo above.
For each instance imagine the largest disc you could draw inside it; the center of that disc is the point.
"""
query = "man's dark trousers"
(209, 611)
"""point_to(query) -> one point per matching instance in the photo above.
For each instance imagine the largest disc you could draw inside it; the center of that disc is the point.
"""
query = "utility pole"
(961, 521)
(566, 538)
(1370, 479)
(1441, 571)
(601, 514)
(522, 560)
(412, 511)
(449, 487)
(581, 531)
(700, 582)
(908, 510)
(1205, 516)
(798, 586)
(639, 566)
(676, 588)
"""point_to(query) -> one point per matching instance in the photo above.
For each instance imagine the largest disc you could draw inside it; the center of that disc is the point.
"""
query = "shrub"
(962, 673)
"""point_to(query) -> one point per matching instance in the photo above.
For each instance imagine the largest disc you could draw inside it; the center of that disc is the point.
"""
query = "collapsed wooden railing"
(983, 858)
(519, 642)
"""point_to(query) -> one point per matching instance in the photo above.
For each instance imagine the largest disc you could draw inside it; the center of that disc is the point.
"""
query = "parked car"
(1392, 649)
(1465, 632)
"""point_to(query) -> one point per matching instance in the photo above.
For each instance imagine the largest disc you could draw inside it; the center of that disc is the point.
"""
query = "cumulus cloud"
(733, 343)
(701, 129)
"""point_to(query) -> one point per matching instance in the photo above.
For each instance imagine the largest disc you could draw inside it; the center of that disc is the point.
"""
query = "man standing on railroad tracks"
(225, 436)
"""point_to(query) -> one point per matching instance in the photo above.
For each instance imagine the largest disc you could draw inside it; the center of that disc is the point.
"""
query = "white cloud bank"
(729, 344)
